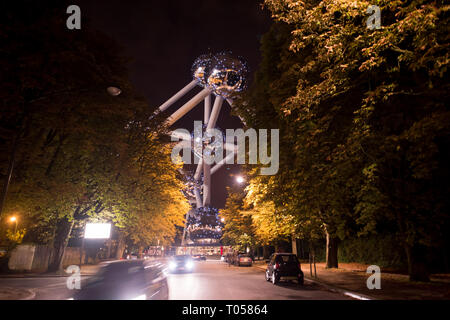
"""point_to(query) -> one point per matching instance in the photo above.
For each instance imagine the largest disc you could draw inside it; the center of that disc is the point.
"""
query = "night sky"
(163, 38)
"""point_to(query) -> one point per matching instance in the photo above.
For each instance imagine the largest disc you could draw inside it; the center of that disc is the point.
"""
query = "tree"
(81, 153)
(238, 230)
(364, 117)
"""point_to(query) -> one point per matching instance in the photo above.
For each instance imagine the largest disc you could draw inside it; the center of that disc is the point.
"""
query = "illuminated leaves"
(363, 116)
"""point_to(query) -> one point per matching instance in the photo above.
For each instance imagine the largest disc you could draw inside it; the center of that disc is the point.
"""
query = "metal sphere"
(205, 143)
(204, 224)
(228, 74)
(201, 68)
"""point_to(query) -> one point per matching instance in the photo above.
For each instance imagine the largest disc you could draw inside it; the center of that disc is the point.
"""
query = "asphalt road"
(215, 280)
(45, 288)
(211, 280)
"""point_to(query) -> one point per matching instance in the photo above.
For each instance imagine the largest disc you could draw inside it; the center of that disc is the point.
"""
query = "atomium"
(205, 143)
(205, 224)
(201, 69)
(228, 74)
(224, 73)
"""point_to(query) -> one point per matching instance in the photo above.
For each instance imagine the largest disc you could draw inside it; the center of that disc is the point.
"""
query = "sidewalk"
(16, 294)
(352, 277)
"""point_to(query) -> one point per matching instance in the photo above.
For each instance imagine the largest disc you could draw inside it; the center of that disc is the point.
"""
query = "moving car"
(199, 257)
(244, 260)
(126, 280)
(181, 263)
(284, 266)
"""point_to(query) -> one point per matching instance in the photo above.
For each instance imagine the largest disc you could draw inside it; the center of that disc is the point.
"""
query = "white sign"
(97, 231)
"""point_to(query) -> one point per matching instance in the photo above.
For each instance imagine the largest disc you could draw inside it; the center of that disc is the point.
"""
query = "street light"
(222, 219)
(114, 91)
(14, 219)
(239, 179)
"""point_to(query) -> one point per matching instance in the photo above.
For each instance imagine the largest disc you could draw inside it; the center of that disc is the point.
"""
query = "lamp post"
(239, 179)
(14, 219)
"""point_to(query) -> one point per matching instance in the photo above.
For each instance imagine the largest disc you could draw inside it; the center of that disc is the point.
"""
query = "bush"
(380, 250)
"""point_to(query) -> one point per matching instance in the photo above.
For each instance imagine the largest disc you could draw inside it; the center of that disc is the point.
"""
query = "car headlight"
(189, 265)
(172, 265)
(141, 297)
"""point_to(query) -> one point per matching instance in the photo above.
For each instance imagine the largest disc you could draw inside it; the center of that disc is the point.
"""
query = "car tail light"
(277, 265)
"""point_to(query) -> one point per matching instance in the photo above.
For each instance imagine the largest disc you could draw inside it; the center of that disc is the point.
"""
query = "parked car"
(181, 263)
(126, 280)
(234, 257)
(244, 260)
(284, 266)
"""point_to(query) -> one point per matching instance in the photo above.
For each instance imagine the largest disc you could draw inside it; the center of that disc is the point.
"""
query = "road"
(211, 280)
(45, 288)
(215, 280)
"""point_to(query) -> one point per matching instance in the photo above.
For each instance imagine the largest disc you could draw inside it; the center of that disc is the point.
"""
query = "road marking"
(356, 296)
(31, 296)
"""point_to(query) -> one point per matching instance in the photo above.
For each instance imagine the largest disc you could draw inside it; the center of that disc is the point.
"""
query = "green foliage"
(364, 120)
(83, 155)
(238, 229)
(15, 238)
(382, 251)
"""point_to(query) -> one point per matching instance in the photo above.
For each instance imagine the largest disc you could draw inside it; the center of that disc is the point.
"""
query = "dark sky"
(164, 37)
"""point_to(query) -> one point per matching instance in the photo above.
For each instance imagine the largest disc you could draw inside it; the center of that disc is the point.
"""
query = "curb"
(352, 294)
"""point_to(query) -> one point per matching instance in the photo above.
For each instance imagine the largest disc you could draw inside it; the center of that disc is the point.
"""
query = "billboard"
(97, 231)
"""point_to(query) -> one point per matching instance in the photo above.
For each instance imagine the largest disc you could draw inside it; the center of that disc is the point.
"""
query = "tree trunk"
(332, 252)
(108, 252)
(294, 246)
(120, 246)
(140, 249)
(417, 268)
(64, 228)
(314, 261)
(310, 263)
(302, 249)
(265, 252)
